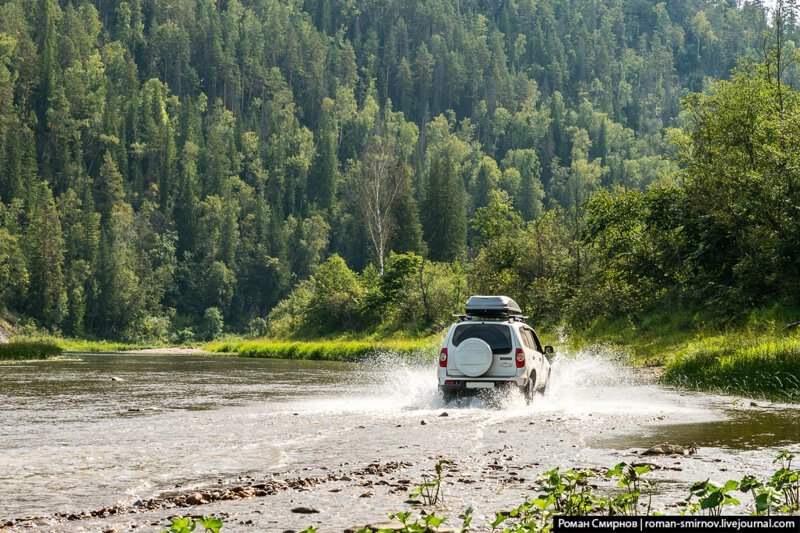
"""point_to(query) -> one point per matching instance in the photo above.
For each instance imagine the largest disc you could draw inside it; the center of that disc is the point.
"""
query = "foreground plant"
(188, 525)
(632, 479)
(786, 481)
(709, 498)
(431, 490)
(569, 493)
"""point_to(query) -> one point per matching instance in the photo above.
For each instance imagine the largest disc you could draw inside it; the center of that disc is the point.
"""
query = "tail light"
(443, 358)
(520, 357)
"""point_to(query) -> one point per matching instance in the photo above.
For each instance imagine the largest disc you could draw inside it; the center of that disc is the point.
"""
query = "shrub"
(257, 327)
(289, 316)
(336, 297)
(213, 323)
(429, 300)
(184, 336)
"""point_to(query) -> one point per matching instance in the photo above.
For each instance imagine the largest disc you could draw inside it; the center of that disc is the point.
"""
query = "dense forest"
(173, 168)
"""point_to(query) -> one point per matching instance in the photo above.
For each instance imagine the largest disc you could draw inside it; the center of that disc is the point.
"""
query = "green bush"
(213, 323)
(430, 298)
(289, 316)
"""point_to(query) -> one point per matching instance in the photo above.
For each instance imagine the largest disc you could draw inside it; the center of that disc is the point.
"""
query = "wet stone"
(305, 510)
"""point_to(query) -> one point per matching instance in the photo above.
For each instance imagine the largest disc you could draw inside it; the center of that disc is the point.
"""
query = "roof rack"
(488, 318)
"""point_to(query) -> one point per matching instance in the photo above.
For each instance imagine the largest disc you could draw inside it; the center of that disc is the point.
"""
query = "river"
(85, 432)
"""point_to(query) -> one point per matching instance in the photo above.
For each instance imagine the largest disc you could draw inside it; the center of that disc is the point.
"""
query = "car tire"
(530, 389)
(448, 396)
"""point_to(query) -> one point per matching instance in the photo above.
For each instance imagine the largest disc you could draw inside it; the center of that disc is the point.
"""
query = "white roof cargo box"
(492, 306)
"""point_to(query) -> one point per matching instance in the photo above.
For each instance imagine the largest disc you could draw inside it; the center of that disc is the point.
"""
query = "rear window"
(495, 335)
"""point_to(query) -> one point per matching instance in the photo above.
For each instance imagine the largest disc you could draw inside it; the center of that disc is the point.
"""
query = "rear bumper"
(459, 386)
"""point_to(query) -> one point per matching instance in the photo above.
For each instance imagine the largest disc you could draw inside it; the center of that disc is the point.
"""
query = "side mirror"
(549, 352)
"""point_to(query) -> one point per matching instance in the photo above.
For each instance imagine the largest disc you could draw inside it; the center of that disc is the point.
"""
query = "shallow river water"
(72, 439)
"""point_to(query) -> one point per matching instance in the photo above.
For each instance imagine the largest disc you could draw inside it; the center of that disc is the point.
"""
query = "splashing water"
(591, 382)
(594, 381)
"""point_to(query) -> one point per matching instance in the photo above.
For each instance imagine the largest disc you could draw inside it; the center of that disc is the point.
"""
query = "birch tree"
(376, 190)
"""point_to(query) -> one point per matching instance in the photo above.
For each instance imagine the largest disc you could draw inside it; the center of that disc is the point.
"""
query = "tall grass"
(333, 350)
(29, 350)
(764, 366)
(83, 345)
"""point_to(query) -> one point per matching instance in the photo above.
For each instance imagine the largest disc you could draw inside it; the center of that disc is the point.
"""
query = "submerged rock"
(666, 448)
(305, 510)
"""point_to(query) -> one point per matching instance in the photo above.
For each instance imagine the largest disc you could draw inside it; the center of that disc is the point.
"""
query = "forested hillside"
(168, 167)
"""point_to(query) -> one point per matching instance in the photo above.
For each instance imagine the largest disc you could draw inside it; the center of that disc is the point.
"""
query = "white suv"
(491, 347)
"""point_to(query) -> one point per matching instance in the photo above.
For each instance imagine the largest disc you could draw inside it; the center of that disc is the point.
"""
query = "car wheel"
(448, 396)
(530, 388)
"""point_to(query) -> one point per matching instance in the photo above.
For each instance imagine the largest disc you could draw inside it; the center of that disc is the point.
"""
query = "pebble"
(195, 498)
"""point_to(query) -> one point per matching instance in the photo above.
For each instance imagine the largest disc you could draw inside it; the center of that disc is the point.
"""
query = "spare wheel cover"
(473, 357)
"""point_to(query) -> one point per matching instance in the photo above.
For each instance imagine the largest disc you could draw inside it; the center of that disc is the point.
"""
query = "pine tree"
(44, 249)
(444, 208)
(407, 234)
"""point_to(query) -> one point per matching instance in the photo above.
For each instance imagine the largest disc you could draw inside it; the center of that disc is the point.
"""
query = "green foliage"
(335, 297)
(158, 161)
(213, 323)
(632, 480)
(23, 349)
(709, 498)
(257, 327)
(573, 493)
(187, 525)
(786, 483)
(431, 491)
(431, 297)
(333, 350)
(424, 523)
(13, 270)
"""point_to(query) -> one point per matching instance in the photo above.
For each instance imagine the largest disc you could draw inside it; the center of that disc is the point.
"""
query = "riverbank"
(341, 349)
(758, 357)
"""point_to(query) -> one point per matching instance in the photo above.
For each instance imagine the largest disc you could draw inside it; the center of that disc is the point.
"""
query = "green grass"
(755, 355)
(22, 349)
(766, 366)
(83, 345)
(325, 350)
(648, 341)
